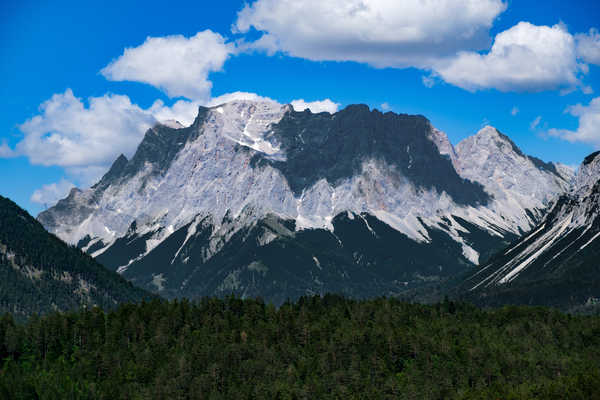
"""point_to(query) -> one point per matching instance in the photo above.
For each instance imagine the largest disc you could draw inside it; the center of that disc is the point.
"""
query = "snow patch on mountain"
(590, 241)
(547, 240)
(247, 123)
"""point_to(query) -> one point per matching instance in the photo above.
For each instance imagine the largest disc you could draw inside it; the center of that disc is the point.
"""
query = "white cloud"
(589, 121)
(315, 106)
(429, 35)
(83, 139)
(514, 111)
(6, 151)
(587, 90)
(428, 81)
(229, 97)
(50, 194)
(525, 57)
(385, 106)
(177, 65)
(182, 111)
(588, 46)
(87, 175)
(69, 134)
(534, 124)
(382, 33)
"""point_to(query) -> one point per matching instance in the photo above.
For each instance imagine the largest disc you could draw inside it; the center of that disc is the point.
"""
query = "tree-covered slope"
(39, 273)
(318, 348)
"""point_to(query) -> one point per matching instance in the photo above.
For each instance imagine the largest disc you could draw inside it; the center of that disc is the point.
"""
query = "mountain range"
(257, 199)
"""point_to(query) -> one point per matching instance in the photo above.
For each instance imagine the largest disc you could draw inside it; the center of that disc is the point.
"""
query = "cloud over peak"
(237, 96)
(85, 137)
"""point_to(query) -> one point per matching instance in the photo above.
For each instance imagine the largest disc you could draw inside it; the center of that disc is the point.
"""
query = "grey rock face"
(244, 161)
(557, 262)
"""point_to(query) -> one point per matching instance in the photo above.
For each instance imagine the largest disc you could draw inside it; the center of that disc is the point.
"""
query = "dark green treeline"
(317, 348)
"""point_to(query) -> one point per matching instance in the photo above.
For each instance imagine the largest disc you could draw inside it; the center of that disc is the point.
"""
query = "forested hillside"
(39, 273)
(317, 348)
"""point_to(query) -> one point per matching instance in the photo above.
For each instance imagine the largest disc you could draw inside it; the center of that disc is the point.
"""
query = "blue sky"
(543, 64)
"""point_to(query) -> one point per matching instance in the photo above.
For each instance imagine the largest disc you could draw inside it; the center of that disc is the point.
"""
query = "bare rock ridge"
(557, 262)
(257, 198)
(334, 146)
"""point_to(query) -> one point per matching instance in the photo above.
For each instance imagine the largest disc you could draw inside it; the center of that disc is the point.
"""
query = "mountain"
(557, 263)
(39, 273)
(258, 199)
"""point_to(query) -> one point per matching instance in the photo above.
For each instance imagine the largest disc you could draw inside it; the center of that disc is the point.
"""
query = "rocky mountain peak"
(488, 148)
(588, 174)
(489, 135)
(248, 123)
(591, 158)
(488, 131)
(490, 142)
(114, 172)
(510, 176)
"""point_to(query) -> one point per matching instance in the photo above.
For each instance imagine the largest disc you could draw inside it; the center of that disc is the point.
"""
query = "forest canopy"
(318, 347)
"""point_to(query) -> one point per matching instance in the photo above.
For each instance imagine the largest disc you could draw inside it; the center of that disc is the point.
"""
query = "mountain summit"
(258, 199)
(522, 185)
